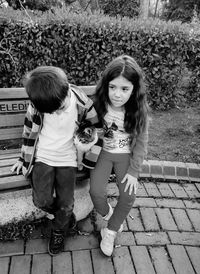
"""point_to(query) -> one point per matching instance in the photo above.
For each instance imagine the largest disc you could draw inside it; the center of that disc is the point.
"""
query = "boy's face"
(65, 104)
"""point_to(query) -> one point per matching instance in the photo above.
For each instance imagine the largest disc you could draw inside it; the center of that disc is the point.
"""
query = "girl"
(121, 105)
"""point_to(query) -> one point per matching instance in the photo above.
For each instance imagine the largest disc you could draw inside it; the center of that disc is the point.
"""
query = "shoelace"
(57, 238)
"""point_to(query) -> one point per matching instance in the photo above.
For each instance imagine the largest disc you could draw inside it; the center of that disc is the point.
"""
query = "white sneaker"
(108, 216)
(107, 242)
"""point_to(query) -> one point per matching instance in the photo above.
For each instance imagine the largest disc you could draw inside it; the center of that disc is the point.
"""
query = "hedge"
(83, 44)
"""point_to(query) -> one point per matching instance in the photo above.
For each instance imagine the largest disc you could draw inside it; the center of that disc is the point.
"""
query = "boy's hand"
(17, 166)
(131, 183)
(79, 159)
(80, 166)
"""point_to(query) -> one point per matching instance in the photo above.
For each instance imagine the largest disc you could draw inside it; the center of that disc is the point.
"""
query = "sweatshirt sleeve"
(88, 111)
(138, 153)
(26, 129)
(91, 114)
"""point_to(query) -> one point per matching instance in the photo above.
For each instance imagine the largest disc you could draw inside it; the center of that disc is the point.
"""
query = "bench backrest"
(13, 105)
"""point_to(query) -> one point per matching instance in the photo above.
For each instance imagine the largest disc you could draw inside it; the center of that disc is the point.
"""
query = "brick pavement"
(161, 236)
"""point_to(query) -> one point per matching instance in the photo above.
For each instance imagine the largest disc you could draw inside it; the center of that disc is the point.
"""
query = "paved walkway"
(161, 235)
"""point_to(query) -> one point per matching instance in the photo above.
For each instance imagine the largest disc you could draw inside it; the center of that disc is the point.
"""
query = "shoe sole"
(107, 255)
(54, 254)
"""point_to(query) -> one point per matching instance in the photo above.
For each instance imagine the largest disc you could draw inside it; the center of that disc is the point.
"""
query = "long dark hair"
(136, 108)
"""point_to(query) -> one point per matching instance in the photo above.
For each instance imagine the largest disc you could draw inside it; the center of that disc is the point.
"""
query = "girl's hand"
(17, 166)
(131, 183)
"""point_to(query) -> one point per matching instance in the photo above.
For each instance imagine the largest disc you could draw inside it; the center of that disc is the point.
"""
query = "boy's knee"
(43, 204)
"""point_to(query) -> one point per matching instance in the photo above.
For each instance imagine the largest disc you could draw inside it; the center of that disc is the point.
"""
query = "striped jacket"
(34, 121)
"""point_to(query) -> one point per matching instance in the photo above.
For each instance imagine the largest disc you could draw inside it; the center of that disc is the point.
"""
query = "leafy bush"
(83, 45)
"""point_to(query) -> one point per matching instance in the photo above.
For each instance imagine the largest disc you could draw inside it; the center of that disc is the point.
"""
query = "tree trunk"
(93, 4)
(156, 7)
(144, 8)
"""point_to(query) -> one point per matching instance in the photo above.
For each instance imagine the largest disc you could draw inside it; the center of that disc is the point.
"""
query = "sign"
(13, 106)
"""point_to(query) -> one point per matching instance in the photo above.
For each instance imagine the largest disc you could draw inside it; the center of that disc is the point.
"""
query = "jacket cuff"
(133, 172)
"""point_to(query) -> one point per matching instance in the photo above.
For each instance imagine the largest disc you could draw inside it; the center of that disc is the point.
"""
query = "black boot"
(56, 242)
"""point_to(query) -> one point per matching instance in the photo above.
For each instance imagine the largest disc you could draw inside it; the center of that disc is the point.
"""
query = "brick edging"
(170, 170)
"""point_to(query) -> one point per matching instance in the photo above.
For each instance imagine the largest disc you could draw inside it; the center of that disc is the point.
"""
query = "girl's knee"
(97, 196)
(93, 193)
(130, 199)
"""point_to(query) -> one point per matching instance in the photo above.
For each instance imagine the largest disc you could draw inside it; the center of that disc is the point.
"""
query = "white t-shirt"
(116, 140)
(55, 146)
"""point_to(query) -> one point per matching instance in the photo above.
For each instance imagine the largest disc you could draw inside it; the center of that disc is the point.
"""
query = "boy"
(49, 155)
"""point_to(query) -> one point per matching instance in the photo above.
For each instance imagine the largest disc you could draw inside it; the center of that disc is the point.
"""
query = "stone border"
(168, 170)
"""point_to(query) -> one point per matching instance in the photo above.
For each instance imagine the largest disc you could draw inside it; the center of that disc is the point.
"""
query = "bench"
(13, 105)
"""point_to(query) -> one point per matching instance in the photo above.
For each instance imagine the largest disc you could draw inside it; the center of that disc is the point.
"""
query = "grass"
(174, 135)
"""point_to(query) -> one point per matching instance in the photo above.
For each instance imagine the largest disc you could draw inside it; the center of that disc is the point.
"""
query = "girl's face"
(119, 92)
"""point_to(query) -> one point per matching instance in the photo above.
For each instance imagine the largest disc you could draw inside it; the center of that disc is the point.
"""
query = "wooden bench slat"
(12, 120)
(9, 153)
(89, 90)
(10, 93)
(7, 162)
(16, 181)
(9, 181)
(5, 171)
(11, 133)
(13, 182)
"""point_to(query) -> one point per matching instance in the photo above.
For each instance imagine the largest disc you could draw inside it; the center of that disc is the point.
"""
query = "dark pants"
(47, 179)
